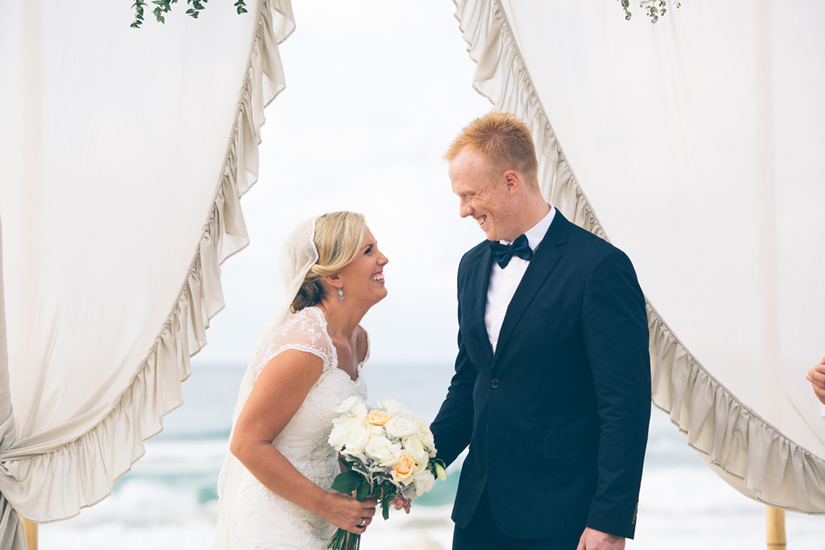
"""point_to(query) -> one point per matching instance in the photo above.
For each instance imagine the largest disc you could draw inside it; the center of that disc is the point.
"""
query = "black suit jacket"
(557, 418)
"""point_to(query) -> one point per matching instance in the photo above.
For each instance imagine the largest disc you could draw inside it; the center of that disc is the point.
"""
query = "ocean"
(169, 499)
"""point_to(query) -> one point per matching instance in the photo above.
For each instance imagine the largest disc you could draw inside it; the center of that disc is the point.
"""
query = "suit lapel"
(482, 278)
(544, 260)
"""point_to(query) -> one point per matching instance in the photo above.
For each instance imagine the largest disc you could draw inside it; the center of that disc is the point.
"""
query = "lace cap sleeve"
(304, 331)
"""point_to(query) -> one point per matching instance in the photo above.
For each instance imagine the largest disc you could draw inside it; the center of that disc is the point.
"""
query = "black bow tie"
(503, 252)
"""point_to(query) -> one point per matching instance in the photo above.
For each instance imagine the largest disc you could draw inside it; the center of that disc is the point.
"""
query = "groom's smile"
(484, 196)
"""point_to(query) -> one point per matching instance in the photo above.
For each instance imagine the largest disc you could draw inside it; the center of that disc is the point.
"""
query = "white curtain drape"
(697, 142)
(125, 153)
(12, 534)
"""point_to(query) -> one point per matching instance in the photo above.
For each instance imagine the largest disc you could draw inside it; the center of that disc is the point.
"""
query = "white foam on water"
(180, 457)
(139, 516)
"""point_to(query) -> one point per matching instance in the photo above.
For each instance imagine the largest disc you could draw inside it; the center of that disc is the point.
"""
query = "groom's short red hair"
(502, 139)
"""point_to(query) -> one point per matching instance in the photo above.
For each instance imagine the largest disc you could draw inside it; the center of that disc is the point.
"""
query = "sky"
(375, 93)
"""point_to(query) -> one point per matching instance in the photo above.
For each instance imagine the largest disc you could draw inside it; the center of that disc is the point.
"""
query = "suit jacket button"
(494, 382)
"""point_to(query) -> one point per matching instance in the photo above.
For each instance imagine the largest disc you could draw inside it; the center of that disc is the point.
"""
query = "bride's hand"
(348, 513)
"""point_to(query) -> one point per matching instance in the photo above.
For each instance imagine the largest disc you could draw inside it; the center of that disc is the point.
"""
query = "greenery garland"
(653, 8)
(165, 6)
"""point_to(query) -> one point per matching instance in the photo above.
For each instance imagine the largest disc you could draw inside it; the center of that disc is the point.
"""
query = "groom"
(552, 384)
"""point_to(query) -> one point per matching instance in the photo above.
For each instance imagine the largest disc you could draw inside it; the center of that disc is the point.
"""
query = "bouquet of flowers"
(386, 451)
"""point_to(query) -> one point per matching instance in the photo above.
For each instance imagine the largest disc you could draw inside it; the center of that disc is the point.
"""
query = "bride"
(275, 486)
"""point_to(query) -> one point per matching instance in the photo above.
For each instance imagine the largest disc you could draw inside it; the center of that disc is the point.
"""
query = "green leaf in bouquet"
(347, 482)
(359, 467)
(346, 464)
(388, 495)
(385, 508)
(363, 489)
(388, 490)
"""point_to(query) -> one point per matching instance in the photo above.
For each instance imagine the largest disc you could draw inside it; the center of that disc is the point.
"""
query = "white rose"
(400, 427)
(426, 437)
(383, 451)
(412, 444)
(351, 423)
(394, 408)
(357, 440)
(347, 422)
(353, 406)
(337, 437)
(376, 430)
(424, 481)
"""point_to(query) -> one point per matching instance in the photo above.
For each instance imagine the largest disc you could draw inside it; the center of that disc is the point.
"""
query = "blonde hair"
(504, 141)
(338, 238)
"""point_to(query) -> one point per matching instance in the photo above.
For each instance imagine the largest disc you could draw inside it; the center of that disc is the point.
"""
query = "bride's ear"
(333, 280)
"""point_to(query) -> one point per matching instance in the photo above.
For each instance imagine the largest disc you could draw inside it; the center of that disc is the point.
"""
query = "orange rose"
(378, 418)
(404, 467)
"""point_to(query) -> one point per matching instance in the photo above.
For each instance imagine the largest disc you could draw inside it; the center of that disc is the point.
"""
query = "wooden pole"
(775, 520)
(770, 327)
(31, 533)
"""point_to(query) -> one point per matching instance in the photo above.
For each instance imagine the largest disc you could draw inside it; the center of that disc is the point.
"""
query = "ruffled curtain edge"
(729, 436)
(93, 462)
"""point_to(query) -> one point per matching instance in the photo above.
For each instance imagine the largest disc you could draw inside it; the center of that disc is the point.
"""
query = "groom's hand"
(596, 540)
(816, 376)
(399, 502)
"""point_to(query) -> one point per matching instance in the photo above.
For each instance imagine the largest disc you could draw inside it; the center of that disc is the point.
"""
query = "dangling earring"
(340, 294)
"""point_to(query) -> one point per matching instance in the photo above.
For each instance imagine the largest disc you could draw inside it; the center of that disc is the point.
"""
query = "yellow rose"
(378, 418)
(404, 467)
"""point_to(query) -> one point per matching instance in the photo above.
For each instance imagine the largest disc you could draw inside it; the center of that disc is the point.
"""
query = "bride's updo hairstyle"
(338, 238)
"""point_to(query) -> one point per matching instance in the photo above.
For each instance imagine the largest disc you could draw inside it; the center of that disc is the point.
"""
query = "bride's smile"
(363, 279)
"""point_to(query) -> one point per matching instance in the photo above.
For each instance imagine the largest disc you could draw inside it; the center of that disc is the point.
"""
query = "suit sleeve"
(453, 426)
(616, 339)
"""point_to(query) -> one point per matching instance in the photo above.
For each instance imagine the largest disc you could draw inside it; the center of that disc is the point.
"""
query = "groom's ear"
(512, 181)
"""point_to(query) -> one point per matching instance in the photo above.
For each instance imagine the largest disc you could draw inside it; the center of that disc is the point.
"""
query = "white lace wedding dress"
(251, 517)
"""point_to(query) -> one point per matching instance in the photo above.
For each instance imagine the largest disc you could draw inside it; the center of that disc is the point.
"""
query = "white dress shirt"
(504, 282)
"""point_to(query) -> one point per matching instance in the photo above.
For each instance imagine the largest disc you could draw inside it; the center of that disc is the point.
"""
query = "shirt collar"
(537, 232)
